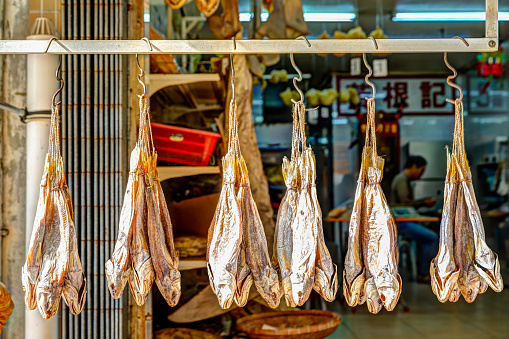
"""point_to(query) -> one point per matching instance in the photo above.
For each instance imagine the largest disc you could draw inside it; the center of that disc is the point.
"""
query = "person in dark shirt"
(402, 194)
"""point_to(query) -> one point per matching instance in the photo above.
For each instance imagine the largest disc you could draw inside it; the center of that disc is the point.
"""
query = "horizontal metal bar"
(247, 46)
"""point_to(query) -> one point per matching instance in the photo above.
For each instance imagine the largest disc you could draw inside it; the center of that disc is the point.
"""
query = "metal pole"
(255, 46)
(41, 85)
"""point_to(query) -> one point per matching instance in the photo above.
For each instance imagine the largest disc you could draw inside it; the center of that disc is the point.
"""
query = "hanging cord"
(233, 137)
(54, 140)
(371, 111)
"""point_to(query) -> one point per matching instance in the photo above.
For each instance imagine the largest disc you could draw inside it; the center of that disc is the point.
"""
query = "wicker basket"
(306, 324)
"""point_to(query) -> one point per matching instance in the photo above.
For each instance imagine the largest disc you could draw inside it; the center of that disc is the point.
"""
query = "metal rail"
(247, 46)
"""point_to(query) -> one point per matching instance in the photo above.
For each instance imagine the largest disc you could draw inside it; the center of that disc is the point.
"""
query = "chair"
(408, 247)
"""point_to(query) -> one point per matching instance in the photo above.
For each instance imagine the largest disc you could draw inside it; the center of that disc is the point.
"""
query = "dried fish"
(144, 251)
(53, 267)
(305, 232)
(443, 270)
(253, 240)
(326, 272)
(380, 247)
(225, 237)
(141, 275)
(118, 268)
(473, 262)
(244, 278)
(371, 266)
(354, 273)
(164, 257)
(286, 215)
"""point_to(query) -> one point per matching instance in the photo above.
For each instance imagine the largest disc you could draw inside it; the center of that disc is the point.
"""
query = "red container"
(184, 145)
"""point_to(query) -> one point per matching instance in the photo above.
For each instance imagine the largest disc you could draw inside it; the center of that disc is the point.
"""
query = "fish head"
(117, 278)
(271, 289)
(48, 300)
(175, 289)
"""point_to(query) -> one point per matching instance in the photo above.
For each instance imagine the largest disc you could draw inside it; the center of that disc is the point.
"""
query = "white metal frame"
(487, 44)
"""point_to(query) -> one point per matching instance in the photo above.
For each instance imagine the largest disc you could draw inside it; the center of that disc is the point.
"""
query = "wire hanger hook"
(452, 77)
(142, 72)
(297, 69)
(366, 78)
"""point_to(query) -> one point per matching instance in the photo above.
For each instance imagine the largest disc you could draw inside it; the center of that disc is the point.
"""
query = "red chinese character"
(440, 92)
(425, 94)
(396, 94)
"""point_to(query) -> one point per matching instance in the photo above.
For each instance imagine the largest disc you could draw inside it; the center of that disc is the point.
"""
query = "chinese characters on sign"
(420, 95)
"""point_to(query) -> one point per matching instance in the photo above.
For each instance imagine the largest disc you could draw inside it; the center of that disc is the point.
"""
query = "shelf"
(159, 81)
(192, 263)
(170, 172)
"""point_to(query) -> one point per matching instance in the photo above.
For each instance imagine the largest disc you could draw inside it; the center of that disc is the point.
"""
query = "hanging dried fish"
(253, 240)
(304, 226)
(326, 272)
(118, 268)
(473, 262)
(443, 270)
(283, 242)
(371, 265)
(160, 231)
(225, 232)
(53, 267)
(354, 273)
(144, 251)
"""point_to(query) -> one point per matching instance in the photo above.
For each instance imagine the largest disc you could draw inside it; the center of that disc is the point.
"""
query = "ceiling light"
(308, 17)
(446, 16)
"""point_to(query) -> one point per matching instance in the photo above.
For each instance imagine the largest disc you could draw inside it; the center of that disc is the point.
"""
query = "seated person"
(402, 194)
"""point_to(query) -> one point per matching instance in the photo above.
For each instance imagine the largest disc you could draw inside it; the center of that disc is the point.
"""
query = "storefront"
(254, 169)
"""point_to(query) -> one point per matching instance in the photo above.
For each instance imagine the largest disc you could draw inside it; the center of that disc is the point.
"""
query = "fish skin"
(119, 266)
(244, 278)
(305, 235)
(380, 246)
(354, 273)
(443, 269)
(257, 257)
(225, 237)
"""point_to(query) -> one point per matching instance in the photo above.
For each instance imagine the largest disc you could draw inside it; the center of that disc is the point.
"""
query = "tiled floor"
(486, 317)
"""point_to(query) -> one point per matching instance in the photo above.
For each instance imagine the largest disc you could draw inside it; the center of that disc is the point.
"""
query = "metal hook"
(461, 38)
(142, 72)
(49, 44)
(366, 78)
(374, 42)
(452, 77)
(299, 78)
(61, 82)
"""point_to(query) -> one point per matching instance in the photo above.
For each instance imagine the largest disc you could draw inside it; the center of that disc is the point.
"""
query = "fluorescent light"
(308, 17)
(447, 16)
(329, 17)
(146, 17)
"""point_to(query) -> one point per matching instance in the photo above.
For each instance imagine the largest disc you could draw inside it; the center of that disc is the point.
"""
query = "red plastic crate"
(184, 145)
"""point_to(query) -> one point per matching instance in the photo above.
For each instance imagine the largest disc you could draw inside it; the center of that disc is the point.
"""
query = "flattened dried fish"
(286, 216)
(141, 275)
(225, 237)
(253, 240)
(326, 272)
(443, 270)
(354, 273)
(75, 287)
(53, 266)
(33, 264)
(119, 266)
(164, 257)
(244, 278)
(380, 240)
(305, 233)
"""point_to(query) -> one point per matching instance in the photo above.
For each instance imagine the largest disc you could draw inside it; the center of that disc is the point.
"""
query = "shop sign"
(420, 95)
